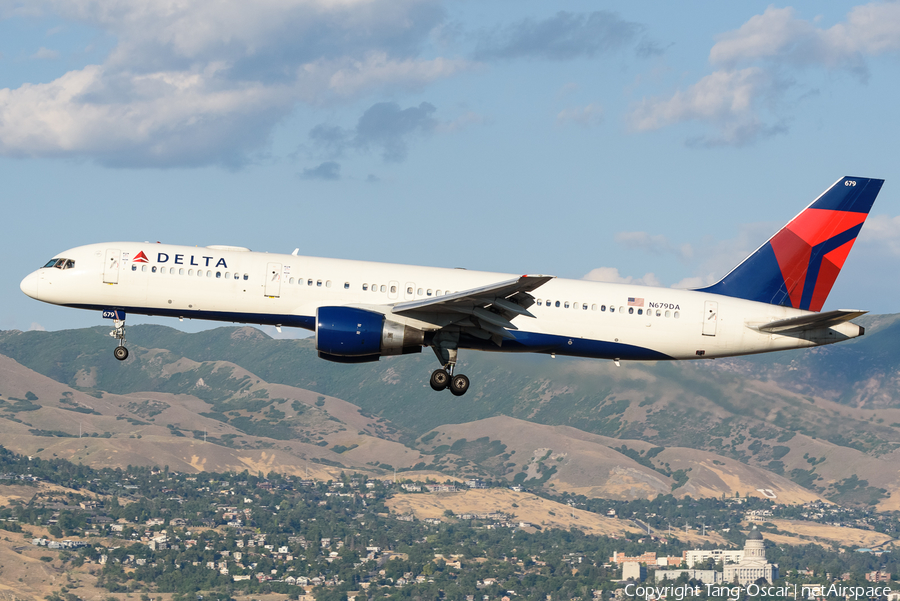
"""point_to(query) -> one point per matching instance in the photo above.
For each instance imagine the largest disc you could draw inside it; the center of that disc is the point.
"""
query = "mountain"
(804, 424)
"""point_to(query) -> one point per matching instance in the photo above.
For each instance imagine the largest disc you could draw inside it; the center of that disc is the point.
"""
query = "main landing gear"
(444, 377)
(121, 353)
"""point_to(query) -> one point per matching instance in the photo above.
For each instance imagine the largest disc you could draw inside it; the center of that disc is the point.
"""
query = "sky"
(656, 143)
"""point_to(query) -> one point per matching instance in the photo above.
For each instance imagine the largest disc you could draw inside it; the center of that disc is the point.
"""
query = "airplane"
(361, 311)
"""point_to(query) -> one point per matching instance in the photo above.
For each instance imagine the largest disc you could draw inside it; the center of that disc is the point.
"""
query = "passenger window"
(393, 290)
(153, 269)
(190, 272)
(181, 271)
(319, 283)
(641, 312)
(171, 271)
(621, 309)
(438, 293)
(328, 283)
(429, 292)
(246, 277)
(209, 273)
(346, 285)
(419, 292)
(290, 281)
(383, 288)
(630, 310)
(676, 315)
(668, 313)
(237, 276)
(612, 309)
(309, 282)
(538, 302)
(584, 306)
(365, 287)
(218, 275)
(134, 267)
(566, 305)
(658, 313)
(557, 303)
(594, 307)
(143, 268)
(409, 290)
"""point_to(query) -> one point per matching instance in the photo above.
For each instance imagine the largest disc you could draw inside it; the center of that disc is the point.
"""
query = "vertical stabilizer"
(798, 266)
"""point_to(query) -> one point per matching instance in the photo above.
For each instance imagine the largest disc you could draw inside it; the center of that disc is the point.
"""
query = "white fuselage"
(571, 317)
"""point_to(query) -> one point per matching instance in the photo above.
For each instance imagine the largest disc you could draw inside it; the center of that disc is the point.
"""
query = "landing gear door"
(273, 279)
(710, 317)
(111, 267)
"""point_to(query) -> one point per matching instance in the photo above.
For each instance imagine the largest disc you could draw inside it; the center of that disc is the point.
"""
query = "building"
(696, 557)
(704, 576)
(648, 557)
(632, 570)
(753, 565)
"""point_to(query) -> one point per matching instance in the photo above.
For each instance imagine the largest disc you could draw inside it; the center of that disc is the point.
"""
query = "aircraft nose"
(30, 285)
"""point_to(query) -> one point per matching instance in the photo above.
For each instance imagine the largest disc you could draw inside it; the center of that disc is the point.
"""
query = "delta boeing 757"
(361, 311)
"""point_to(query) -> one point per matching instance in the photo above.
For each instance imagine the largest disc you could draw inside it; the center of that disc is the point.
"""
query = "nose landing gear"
(121, 353)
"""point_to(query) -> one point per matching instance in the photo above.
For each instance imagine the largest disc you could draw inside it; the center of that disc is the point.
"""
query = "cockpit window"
(60, 264)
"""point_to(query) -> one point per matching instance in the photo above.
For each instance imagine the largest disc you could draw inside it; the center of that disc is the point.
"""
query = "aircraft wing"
(810, 321)
(484, 312)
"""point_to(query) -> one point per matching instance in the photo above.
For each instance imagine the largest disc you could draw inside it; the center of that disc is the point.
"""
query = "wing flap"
(810, 321)
(484, 312)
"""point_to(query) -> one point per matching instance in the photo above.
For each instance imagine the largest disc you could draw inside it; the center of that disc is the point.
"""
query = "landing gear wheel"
(121, 353)
(440, 379)
(459, 384)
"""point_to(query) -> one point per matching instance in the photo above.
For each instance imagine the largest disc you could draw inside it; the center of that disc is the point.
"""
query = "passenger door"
(111, 267)
(273, 279)
(710, 317)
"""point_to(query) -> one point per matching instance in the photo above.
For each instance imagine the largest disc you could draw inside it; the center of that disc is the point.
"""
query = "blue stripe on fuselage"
(525, 342)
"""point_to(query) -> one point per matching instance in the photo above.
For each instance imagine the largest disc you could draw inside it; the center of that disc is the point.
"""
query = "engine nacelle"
(350, 335)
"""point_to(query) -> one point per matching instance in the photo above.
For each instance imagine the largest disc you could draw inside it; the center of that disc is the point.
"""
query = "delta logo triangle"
(140, 258)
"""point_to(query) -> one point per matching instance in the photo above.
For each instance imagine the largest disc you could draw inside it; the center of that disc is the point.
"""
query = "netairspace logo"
(735, 592)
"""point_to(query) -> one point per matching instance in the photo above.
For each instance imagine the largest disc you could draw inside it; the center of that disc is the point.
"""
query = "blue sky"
(650, 142)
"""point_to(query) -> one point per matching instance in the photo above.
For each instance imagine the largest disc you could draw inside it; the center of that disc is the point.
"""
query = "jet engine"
(350, 335)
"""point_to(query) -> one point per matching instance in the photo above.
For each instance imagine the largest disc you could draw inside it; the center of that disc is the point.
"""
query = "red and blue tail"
(798, 266)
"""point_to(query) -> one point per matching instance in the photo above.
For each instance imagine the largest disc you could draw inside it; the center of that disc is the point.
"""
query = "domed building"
(753, 566)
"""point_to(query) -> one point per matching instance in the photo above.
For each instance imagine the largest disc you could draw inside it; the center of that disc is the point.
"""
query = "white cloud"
(377, 70)
(729, 100)
(779, 35)
(36, 327)
(45, 54)
(585, 116)
(194, 83)
(695, 281)
(656, 244)
(611, 274)
(882, 231)
(757, 66)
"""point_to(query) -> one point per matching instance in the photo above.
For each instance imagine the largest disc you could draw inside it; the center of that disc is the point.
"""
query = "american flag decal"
(635, 302)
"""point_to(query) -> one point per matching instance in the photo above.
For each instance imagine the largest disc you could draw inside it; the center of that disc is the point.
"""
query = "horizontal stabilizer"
(811, 321)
